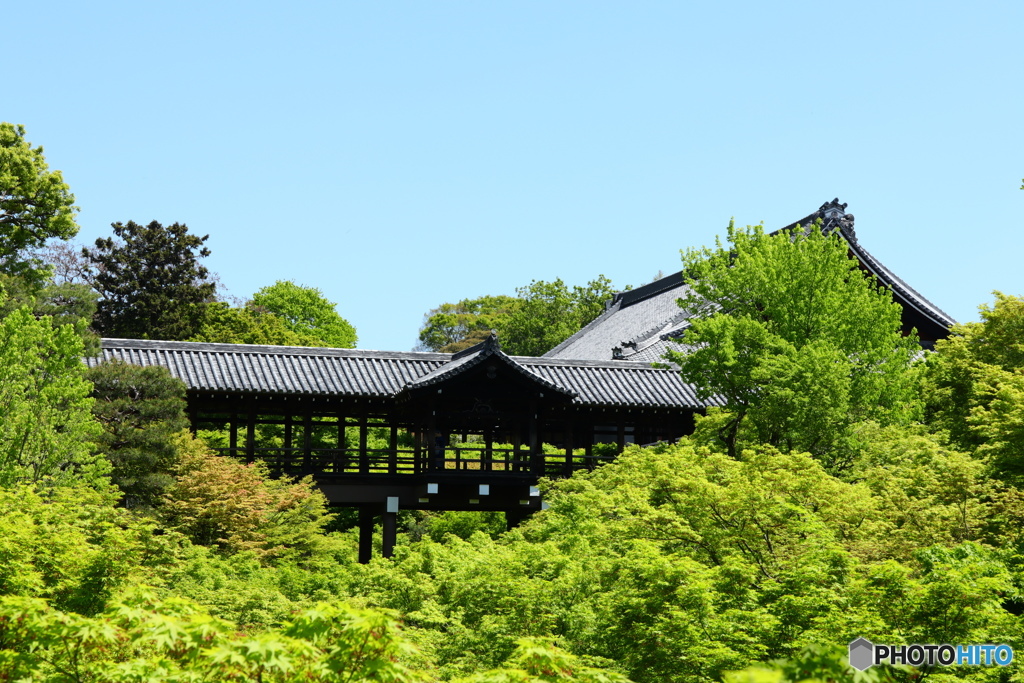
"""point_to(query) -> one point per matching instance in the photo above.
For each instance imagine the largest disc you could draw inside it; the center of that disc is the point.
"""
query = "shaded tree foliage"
(306, 312)
(35, 205)
(799, 342)
(141, 409)
(150, 282)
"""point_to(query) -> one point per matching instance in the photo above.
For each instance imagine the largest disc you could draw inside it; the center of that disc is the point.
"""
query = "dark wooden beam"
(365, 534)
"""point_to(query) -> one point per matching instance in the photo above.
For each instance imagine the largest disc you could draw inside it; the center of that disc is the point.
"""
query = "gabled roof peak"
(487, 347)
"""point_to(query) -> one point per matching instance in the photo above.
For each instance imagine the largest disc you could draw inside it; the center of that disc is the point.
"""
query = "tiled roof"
(282, 370)
(471, 357)
(618, 383)
(641, 324)
(631, 313)
(277, 369)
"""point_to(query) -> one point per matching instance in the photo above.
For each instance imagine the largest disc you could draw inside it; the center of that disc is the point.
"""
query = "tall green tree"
(248, 324)
(797, 340)
(307, 312)
(150, 281)
(540, 316)
(449, 328)
(550, 313)
(46, 426)
(141, 410)
(35, 205)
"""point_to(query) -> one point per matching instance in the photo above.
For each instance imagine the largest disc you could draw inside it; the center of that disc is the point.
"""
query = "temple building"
(474, 430)
(640, 324)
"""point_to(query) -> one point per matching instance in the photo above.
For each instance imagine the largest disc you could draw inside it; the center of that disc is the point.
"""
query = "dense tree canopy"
(306, 312)
(797, 339)
(449, 328)
(540, 316)
(551, 312)
(249, 324)
(35, 205)
(45, 420)
(974, 386)
(150, 281)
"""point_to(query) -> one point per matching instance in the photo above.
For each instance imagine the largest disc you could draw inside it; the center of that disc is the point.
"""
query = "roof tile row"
(350, 372)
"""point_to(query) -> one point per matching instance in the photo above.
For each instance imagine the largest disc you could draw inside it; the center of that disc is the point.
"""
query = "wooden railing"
(403, 461)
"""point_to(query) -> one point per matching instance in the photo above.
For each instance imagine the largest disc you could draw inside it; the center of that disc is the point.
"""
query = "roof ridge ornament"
(834, 216)
(490, 345)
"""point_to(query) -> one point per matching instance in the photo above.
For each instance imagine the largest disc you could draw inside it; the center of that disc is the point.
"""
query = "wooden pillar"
(365, 534)
(589, 448)
(389, 532)
(364, 457)
(568, 467)
(621, 438)
(533, 441)
(250, 435)
(429, 442)
(487, 464)
(514, 518)
(393, 450)
(341, 457)
(288, 454)
(417, 451)
(307, 439)
(233, 436)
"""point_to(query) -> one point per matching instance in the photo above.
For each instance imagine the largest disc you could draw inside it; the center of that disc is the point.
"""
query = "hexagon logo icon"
(862, 654)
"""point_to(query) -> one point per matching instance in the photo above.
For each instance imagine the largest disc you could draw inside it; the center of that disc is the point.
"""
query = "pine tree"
(150, 282)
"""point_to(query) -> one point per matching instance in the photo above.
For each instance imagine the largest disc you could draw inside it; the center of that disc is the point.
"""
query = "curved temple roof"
(290, 370)
(640, 324)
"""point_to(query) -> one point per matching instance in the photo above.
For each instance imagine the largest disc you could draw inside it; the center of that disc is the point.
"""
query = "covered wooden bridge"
(384, 431)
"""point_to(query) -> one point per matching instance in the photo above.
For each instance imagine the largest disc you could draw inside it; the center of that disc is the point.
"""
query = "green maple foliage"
(797, 340)
(141, 638)
(974, 386)
(46, 426)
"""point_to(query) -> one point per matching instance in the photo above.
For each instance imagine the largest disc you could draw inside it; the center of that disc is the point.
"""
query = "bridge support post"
(365, 534)
(514, 518)
(390, 532)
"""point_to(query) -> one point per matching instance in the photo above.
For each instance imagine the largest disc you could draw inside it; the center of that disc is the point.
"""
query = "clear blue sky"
(398, 155)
